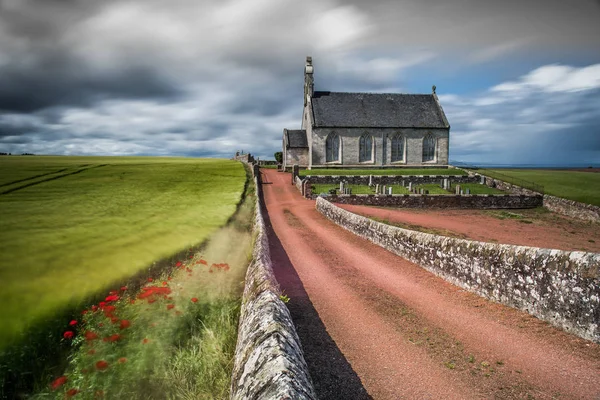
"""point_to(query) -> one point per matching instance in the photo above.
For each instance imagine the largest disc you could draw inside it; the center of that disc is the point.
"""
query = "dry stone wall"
(469, 201)
(391, 179)
(560, 287)
(574, 209)
(268, 363)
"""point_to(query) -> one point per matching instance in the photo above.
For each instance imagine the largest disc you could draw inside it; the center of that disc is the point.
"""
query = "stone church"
(367, 129)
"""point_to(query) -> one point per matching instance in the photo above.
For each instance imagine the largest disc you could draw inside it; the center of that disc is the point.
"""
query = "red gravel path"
(374, 324)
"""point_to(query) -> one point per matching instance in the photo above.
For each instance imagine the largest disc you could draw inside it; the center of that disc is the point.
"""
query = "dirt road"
(374, 325)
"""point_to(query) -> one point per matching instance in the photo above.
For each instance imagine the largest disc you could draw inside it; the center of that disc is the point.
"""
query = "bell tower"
(309, 85)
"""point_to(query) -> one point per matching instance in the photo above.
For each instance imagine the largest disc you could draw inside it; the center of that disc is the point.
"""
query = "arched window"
(397, 148)
(332, 147)
(365, 148)
(429, 148)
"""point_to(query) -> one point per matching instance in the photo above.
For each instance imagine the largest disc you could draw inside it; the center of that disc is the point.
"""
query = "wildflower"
(124, 324)
(101, 365)
(113, 292)
(114, 320)
(112, 338)
(178, 264)
(100, 324)
(91, 352)
(58, 382)
(170, 306)
(112, 297)
(72, 392)
(169, 278)
(165, 283)
(122, 360)
(194, 299)
(108, 310)
(89, 336)
(145, 341)
(68, 335)
(94, 308)
(132, 301)
(84, 312)
(73, 323)
(101, 304)
(123, 288)
(203, 262)
(149, 279)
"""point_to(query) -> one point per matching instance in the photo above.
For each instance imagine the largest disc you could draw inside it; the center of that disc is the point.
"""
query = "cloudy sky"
(518, 79)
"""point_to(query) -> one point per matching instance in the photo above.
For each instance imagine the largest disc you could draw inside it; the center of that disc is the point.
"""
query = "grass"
(575, 185)
(176, 345)
(65, 239)
(395, 171)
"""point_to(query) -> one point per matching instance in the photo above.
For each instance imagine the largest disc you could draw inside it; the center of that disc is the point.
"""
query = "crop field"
(73, 226)
(574, 185)
(390, 171)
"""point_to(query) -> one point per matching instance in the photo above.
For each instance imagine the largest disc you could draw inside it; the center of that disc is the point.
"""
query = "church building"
(367, 129)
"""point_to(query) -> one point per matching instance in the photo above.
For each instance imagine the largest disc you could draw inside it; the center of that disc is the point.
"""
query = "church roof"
(296, 138)
(377, 110)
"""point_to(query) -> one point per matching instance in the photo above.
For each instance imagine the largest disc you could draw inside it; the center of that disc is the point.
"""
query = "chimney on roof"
(309, 85)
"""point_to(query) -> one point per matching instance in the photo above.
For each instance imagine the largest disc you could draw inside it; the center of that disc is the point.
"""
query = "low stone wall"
(391, 179)
(560, 287)
(468, 201)
(269, 363)
(574, 209)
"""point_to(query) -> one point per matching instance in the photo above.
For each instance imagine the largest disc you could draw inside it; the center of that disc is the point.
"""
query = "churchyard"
(127, 268)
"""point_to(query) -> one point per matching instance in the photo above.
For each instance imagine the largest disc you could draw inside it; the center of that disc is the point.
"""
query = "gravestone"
(390, 190)
(467, 191)
(341, 187)
(377, 188)
(370, 180)
(457, 190)
(482, 181)
(295, 173)
(410, 186)
(446, 184)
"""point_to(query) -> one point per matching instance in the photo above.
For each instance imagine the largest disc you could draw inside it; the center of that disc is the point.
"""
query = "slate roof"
(376, 110)
(296, 138)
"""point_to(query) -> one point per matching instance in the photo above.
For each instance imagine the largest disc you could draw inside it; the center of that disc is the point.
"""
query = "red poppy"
(108, 310)
(150, 301)
(101, 365)
(165, 283)
(84, 312)
(124, 324)
(194, 299)
(58, 382)
(149, 279)
(68, 335)
(150, 291)
(72, 392)
(101, 304)
(100, 324)
(112, 292)
(89, 336)
(123, 288)
(73, 323)
(114, 320)
(122, 360)
(112, 297)
(170, 306)
(145, 341)
(132, 301)
(178, 264)
(94, 308)
(188, 269)
(191, 257)
(112, 338)
(169, 278)
(91, 352)
(203, 262)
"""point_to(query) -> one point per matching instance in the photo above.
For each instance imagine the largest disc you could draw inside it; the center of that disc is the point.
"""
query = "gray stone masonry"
(403, 180)
(561, 287)
(473, 201)
(574, 209)
(268, 362)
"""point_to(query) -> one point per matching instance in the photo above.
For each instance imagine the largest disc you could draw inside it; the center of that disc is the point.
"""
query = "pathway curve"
(374, 325)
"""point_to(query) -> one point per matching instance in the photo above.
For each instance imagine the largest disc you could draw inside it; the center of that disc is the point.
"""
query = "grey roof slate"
(376, 110)
(296, 138)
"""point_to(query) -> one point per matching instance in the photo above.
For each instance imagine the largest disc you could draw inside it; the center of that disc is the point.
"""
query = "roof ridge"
(379, 93)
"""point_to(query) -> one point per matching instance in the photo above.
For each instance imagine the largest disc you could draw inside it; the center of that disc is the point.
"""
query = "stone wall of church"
(413, 148)
(296, 156)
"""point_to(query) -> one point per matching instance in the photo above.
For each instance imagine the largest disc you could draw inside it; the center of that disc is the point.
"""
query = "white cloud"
(555, 78)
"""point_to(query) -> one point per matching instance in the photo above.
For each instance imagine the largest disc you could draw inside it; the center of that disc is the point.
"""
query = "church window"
(429, 148)
(397, 148)
(365, 148)
(332, 148)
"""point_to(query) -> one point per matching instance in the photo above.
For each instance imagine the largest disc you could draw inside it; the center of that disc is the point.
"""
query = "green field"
(394, 171)
(574, 185)
(72, 226)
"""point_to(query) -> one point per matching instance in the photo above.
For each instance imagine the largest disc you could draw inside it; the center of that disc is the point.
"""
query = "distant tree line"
(10, 154)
